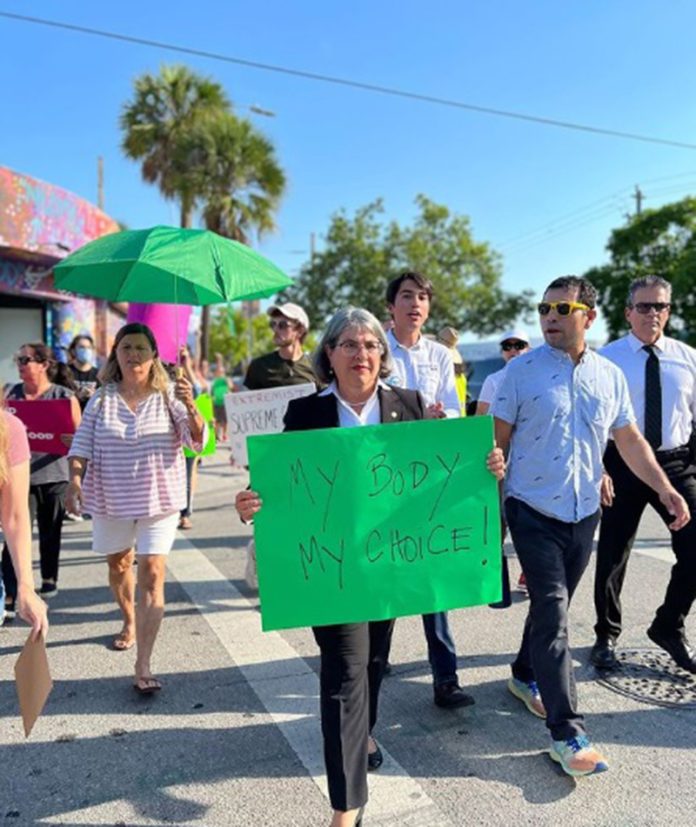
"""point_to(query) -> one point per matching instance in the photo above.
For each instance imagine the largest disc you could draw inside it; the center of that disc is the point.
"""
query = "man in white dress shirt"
(424, 365)
(661, 375)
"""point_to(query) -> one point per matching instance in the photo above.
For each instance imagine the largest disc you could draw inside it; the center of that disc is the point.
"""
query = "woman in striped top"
(128, 449)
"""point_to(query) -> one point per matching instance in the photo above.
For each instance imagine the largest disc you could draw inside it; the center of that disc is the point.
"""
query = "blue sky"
(545, 198)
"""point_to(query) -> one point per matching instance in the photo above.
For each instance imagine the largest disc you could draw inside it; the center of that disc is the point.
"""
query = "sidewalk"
(233, 738)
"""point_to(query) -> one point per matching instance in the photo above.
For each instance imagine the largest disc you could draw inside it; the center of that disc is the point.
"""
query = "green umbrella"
(169, 265)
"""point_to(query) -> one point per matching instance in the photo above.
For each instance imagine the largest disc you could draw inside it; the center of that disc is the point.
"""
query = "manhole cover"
(651, 676)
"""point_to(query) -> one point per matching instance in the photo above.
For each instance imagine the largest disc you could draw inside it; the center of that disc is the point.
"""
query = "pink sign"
(45, 421)
(169, 323)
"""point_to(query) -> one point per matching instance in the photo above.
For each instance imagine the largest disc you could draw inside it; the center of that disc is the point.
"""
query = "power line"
(367, 87)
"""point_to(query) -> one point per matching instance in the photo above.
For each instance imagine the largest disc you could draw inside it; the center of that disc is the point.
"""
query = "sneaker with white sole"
(578, 757)
(528, 693)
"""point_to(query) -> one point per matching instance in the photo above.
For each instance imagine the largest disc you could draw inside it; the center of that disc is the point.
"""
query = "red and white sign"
(45, 421)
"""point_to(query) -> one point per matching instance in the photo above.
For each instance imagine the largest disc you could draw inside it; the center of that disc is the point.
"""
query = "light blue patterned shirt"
(562, 414)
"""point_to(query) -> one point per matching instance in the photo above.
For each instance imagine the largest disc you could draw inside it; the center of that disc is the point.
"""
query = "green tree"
(243, 181)
(658, 242)
(362, 254)
(157, 125)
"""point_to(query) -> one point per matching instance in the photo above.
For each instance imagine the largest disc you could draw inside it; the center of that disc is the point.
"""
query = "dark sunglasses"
(24, 360)
(280, 324)
(645, 307)
(506, 346)
(562, 308)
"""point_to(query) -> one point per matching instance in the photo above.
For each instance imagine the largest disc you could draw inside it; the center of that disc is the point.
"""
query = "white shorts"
(149, 535)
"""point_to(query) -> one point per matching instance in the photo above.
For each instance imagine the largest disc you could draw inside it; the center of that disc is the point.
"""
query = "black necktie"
(653, 399)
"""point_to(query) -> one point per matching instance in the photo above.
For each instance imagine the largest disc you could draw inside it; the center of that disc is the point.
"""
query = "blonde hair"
(4, 443)
(111, 372)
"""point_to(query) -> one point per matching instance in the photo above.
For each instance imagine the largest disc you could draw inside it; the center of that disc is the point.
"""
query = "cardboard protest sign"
(375, 522)
(258, 412)
(45, 420)
(33, 681)
(204, 403)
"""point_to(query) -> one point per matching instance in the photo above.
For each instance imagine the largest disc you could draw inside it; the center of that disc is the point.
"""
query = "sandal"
(185, 523)
(147, 686)
(121, 643)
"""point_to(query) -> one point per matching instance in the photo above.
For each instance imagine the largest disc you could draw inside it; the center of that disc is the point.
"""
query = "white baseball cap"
(291, 311)
(515, 333)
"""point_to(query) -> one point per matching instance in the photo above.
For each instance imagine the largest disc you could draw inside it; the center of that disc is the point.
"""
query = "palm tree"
(157, 125)
(244, 181)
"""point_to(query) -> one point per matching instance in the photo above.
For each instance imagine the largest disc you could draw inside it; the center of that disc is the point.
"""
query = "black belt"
(673, 453)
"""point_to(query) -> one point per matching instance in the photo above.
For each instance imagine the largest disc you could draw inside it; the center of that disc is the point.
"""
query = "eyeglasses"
(645, 307)
(280, 324)
(506, 346)
(24, 360)
(351, 348)
(562, 308)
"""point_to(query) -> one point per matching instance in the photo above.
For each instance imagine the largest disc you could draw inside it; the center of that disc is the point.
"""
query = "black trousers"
(47, 505)
(617, 533)
(353, 656)
(554, 555)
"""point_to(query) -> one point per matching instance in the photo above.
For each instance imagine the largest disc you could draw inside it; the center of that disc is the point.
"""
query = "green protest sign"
(204, 403)
(375, 522)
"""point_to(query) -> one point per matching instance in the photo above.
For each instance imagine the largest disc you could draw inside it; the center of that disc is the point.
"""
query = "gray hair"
(647, 281)
(342, 319)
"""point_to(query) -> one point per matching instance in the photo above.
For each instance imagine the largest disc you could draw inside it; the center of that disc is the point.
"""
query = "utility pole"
(638, 195)
(100, 183)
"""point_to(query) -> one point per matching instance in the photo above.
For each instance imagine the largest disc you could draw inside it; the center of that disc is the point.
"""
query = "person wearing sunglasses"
(661, 376)
(43, 378)
(512, 343)
(288, 364)
(554, 412)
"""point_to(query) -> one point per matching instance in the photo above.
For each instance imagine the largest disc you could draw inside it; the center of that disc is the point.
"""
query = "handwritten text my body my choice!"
(322, 551)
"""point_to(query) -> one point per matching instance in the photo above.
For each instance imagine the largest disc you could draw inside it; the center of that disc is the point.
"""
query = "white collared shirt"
(347, 417)
(677, 377)
(426, 367)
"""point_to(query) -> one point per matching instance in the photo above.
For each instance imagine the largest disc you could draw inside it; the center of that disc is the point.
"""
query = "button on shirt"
(677, 378)
(562, 414)
(426, 367)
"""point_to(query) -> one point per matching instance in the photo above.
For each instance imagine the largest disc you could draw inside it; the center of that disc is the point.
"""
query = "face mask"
(83, 354)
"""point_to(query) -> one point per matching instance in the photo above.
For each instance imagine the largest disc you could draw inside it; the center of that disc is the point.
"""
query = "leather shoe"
(374, 759)
(603, 653)
(677, 646)
(451, 695)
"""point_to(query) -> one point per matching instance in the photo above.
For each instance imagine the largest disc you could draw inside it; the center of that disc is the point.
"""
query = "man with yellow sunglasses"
(554, 411)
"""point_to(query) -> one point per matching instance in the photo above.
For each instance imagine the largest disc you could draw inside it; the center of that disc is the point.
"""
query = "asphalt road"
(233, 738)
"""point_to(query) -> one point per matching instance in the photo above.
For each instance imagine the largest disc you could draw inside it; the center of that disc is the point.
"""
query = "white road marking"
(288, 688)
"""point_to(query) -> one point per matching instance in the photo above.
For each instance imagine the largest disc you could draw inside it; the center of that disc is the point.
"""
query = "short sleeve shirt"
(17, 442)
(272, 371)
(561, 415)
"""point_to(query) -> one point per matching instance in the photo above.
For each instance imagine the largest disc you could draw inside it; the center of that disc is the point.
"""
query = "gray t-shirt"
(45, 467)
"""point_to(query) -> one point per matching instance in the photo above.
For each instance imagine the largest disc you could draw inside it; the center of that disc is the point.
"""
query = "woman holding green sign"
(353, 359)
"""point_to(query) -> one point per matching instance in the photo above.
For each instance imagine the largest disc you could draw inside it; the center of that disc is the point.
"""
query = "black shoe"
(677, 646)
(48, 588)
(603, 654)
(375, 759)
(451, 695)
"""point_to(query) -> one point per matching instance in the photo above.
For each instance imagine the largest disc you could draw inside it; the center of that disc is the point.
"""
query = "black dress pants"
(554, 555)
(617, 533)
(353, 656)
(47, 505)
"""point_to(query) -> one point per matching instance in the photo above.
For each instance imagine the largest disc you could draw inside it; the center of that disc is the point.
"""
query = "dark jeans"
(353, 656)
(190, 464)
(441, 652)
(617, 533)
(554, 556)
(46, 504)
